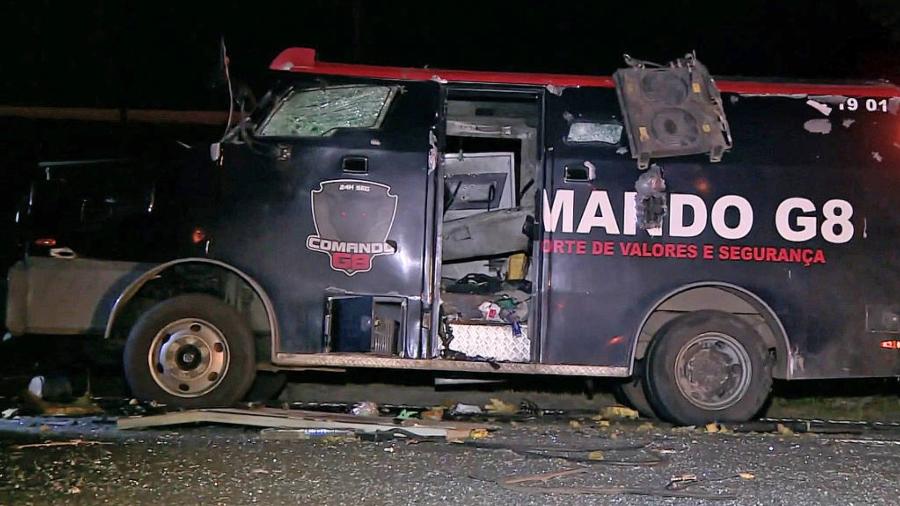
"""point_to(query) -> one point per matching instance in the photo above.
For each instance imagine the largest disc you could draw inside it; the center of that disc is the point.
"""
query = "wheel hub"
(713, 371)
(189, 357)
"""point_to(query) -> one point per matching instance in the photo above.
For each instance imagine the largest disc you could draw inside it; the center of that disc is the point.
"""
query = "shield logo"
(353, 219)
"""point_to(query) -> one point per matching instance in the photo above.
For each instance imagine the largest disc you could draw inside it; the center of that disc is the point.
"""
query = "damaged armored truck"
(696, 237)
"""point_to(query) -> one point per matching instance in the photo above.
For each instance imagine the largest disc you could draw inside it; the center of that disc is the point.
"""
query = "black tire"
(632, 394)
(739, 368)
(266, 386)
(236, 376)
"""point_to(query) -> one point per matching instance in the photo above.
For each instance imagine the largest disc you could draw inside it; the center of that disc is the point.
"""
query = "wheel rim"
(189, 357)
(713, 371)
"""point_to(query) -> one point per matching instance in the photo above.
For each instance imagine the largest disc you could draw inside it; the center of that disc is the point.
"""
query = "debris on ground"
(634, 455)
(406, 414)
(497, 406)
(680, 480)
(595, 455)
(618, 412)
(536, 484)
(436, 413)
(82, 406)
(544, 477)
(365, 408)
(300, 419)
(465, 409)
(478, 434)
(784, 431)
(50, 444)
(274, 434)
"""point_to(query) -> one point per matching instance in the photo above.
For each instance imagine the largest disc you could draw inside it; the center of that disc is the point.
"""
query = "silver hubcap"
(713, 371)
(189, 357)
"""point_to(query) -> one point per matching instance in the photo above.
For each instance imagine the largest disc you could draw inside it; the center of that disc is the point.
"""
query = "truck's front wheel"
(191, 351)
(708, 366)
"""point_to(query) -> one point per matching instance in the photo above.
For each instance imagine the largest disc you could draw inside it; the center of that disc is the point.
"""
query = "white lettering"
(835, 219)
(677, 227)
(629, 222)
(563, 204)
(795, 218)
(806, 225)
(745, 217)
(598, 201)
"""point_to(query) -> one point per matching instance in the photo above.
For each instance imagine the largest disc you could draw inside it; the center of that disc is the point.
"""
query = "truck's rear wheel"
(632, 394)
(707, 366)
(190, 351)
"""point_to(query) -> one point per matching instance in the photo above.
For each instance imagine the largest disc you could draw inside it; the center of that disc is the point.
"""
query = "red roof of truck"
(302, 59)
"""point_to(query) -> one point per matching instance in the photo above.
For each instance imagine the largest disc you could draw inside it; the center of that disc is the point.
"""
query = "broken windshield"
(318, 112)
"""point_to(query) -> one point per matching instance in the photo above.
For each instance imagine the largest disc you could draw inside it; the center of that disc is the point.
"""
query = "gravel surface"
(226, 465)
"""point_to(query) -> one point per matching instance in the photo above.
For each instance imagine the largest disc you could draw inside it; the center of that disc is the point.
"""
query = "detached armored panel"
(672, 111)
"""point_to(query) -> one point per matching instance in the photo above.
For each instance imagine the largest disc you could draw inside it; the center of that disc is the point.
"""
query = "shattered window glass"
(317, 112)
(584, 131)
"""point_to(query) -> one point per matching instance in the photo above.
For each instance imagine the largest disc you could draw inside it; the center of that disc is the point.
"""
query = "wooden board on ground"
(344, 417)
(296, 419)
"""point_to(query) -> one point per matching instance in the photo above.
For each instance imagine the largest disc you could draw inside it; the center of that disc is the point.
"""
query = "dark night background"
(162, 54)
(127, 54)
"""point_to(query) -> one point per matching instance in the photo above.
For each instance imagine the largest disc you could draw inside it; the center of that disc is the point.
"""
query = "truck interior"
(490, 164)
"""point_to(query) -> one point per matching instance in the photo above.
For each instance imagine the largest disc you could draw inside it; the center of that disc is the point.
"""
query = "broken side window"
(318, 112)
(587, 131)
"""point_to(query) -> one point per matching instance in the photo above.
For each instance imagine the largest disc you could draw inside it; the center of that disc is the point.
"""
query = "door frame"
(538, 311)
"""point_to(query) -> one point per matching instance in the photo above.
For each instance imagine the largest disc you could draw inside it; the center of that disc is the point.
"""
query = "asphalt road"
(215, 465)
